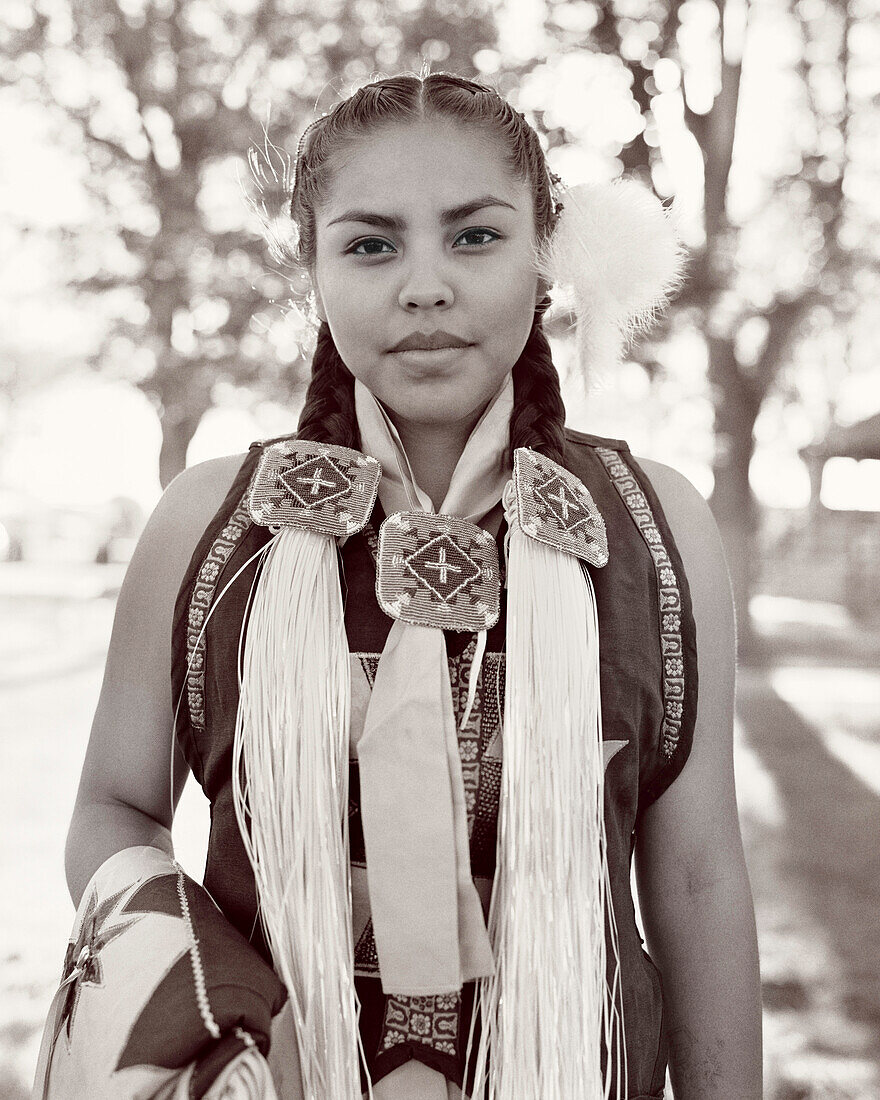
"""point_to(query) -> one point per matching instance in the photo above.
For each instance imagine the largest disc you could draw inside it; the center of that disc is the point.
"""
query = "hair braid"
(538, 416)
(328, 415)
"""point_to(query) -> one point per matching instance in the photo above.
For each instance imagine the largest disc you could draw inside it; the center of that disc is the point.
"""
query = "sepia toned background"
(144, 326)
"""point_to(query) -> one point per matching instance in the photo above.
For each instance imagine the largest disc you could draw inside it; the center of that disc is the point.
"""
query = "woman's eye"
(371, 246)
(480, 233)
(368, 241)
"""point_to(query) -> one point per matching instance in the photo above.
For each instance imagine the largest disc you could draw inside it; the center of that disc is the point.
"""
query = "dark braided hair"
(328, 414)
(538, 416)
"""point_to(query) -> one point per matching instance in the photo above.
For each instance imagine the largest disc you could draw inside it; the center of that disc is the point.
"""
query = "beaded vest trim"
(200, 605)
(432, 1020)
(668, 591)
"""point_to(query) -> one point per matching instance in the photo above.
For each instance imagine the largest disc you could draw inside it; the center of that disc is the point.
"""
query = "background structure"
(144, 326)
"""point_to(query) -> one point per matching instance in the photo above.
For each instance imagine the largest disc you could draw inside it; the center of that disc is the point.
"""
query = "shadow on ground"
(815, 867)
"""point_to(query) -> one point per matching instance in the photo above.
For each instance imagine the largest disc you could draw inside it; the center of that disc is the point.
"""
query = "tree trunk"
(178, 428)
(732, 501)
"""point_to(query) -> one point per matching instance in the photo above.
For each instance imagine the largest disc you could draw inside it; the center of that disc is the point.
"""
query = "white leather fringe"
(547, 1007)
(290, 779)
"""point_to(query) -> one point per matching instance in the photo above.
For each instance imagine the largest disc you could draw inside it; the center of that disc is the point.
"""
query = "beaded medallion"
(316, 486)
(555, 508)
(438, 570)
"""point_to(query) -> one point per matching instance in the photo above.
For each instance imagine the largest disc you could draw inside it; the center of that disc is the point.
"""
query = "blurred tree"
(167, 96)
(761, 270)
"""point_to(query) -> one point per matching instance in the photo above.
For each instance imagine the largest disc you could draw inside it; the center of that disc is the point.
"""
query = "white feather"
(614, 259)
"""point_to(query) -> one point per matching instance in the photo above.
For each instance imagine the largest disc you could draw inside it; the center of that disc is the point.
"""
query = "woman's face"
(395, 260)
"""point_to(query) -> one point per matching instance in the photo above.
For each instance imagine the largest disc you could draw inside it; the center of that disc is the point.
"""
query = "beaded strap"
(668, 591)
(200, 604)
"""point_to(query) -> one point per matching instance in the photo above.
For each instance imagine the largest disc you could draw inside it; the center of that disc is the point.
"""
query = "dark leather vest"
(648, 683)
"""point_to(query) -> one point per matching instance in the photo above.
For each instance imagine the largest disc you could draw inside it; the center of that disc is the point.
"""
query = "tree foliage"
(167, 96)
(764, 273)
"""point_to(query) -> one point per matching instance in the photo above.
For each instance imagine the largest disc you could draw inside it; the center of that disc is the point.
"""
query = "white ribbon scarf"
(427, 916)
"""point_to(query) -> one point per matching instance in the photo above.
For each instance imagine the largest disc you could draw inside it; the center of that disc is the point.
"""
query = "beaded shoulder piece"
(554, 507)
(433, 569)
(314, 486)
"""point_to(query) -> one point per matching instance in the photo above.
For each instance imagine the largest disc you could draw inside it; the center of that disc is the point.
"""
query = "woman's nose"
(426, 285)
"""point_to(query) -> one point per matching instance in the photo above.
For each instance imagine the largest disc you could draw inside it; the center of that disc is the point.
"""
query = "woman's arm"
(125, 796)
(693, 884)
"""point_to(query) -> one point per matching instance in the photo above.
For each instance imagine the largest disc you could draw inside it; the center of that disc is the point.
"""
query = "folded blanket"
(160, 997)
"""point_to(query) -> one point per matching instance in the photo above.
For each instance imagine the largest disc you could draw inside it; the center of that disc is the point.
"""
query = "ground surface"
(808, 767)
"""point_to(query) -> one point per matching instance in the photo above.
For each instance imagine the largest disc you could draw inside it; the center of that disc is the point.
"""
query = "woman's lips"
(435, 355)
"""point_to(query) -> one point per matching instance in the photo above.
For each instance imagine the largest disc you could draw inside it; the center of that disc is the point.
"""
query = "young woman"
(418, 203)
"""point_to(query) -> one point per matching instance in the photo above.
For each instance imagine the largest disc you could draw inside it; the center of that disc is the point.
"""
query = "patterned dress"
(648, 683)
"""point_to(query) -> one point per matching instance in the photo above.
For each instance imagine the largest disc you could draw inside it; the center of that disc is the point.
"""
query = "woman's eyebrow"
(447, 217)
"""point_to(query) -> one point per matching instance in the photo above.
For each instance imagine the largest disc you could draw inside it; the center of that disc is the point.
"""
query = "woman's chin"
(435, 403)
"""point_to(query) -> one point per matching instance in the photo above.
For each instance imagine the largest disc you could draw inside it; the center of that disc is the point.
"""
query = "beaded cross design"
(438, 570)
(555, 508)
(316, 486)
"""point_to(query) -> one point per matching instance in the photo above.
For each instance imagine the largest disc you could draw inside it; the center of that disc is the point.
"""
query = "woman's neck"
(433, 451)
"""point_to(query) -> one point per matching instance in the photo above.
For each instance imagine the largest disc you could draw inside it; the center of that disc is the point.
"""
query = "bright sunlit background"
(144, 325)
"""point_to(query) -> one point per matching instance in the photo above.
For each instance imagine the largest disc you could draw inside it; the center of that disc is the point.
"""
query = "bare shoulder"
(682, 502)
(696, 535)
(169, 539)
(218, 473)
(127, 760)
(698, 541)
(194, 496)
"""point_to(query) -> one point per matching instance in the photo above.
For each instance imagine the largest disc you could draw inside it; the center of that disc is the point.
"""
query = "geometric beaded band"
(316, 486)
(438, 570)
(555, 508)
